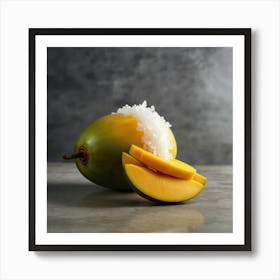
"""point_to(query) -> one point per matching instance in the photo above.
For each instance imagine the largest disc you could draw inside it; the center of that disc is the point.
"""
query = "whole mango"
(99, 147)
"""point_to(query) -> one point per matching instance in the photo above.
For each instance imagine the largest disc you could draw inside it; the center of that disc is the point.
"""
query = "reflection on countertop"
(77, 205)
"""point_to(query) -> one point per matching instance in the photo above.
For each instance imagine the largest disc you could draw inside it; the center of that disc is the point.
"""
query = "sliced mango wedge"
(174, 167)
(156, 186)
(128, 159)
(199, 178)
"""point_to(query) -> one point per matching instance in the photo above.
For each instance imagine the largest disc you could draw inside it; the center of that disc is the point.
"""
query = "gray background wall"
(190, 87)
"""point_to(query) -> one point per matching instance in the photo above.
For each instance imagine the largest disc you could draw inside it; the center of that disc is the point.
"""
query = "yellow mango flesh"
(160, 187)
(173, 167)
(128, 159)
(173, 150)
(199, 178)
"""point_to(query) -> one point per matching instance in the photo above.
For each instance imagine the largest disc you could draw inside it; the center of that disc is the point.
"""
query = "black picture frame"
(246, 32)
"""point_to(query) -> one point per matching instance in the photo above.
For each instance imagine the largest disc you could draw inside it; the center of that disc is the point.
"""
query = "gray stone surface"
(190, 87)
(77, 205)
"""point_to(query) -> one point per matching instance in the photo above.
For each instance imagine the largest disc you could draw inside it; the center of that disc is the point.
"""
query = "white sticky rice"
(156, 137)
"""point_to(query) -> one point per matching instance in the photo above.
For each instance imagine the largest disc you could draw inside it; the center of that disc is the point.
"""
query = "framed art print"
(140, 139)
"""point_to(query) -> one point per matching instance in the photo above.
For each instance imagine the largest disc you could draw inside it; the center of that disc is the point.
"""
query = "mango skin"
(104, 140)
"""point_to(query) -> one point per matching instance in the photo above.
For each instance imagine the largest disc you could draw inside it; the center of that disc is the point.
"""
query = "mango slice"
(128, 159)
(174, 167)
(199, 178)
(159, 187)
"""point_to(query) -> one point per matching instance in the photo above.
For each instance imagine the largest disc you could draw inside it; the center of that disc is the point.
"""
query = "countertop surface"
(77, 205)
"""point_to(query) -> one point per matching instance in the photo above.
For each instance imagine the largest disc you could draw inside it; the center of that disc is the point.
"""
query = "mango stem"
(77, 155)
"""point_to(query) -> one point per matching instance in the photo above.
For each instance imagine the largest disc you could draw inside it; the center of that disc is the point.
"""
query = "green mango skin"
(102, 143)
